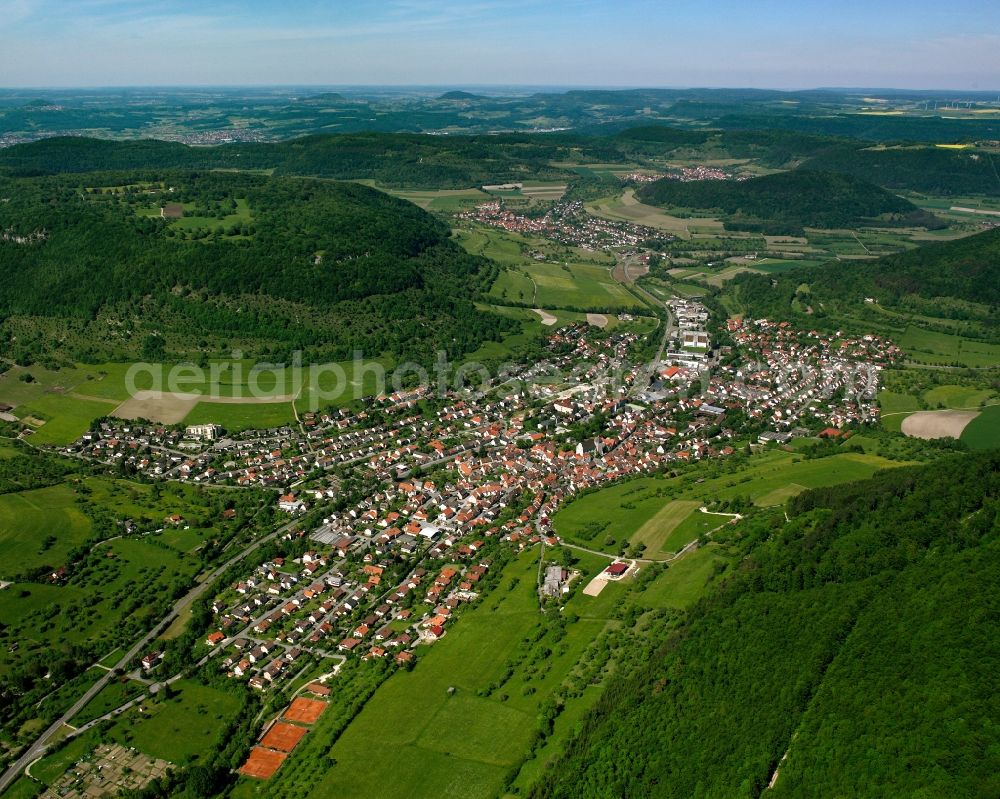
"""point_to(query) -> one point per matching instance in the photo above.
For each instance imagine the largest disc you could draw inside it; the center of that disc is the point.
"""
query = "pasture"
(626, 208)
(928, 346)
(183, 729)
(39, 528)
(436, 743)
(983, 432)
(608, 519)
(658, 533)
(566, 285)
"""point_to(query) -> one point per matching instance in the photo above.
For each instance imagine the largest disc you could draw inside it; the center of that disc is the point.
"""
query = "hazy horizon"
(635, 43)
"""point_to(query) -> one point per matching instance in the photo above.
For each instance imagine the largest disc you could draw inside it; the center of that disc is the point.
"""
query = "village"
(566, 223)
(456, 475)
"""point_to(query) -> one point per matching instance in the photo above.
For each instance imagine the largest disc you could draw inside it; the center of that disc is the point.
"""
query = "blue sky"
(768, 43)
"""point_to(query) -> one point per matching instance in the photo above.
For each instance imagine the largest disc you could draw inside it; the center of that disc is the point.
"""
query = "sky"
(919, 44)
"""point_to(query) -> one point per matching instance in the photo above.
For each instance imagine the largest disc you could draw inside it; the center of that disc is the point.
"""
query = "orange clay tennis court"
(305, 711)
(262, 763)
(283, 737)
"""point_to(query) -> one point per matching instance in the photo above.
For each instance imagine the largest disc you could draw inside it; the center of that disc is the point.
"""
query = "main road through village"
(37, 749)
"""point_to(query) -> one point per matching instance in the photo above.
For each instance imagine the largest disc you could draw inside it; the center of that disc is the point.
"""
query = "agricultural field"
(627, 208)
(564, 285)
(510, 248)
(983, 432)
(448, 201)
(608, 519)
(457, 725)
(240, 394)
(657, 535)
(931, 347)
(40, 528)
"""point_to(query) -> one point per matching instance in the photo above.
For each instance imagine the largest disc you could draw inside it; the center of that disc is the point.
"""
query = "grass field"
(433, 743)
(628, 209)
(29, 518)
(66, 401)
(983, 432)
(609, 517)
(66, 417)
(927, 346)
(185, 728)
(115, 694)
(658, 533)
(237, 417)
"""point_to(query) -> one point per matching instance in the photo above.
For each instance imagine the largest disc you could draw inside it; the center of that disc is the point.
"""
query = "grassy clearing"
(39, 528)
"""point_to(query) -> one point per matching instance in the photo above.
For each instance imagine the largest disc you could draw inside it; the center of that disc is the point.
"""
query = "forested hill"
(787, 202)
(391, 159)
(461, 161)
(954, 279)
(861, 637)
(266, 264)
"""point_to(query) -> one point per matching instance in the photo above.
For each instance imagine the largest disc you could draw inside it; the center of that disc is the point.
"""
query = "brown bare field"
(306, 711)
(595, 586)
(157, 406)
(172, 408)
(262, 763)
(547, 318)
(597, 320)
(937, 424)
(283, 737)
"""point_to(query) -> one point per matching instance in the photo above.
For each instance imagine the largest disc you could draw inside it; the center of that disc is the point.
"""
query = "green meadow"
(983, 432)
(610, 517)
(40, 527)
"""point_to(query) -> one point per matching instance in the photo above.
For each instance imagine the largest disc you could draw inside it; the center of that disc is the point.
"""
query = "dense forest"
(870, 127)
(926, 169)
(391, 159)
(954, 279)
(787, 202)
(461, 161)
(270, 263)
(861, 637)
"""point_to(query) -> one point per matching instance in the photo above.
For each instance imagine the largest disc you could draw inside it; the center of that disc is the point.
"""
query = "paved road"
(37, 749)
